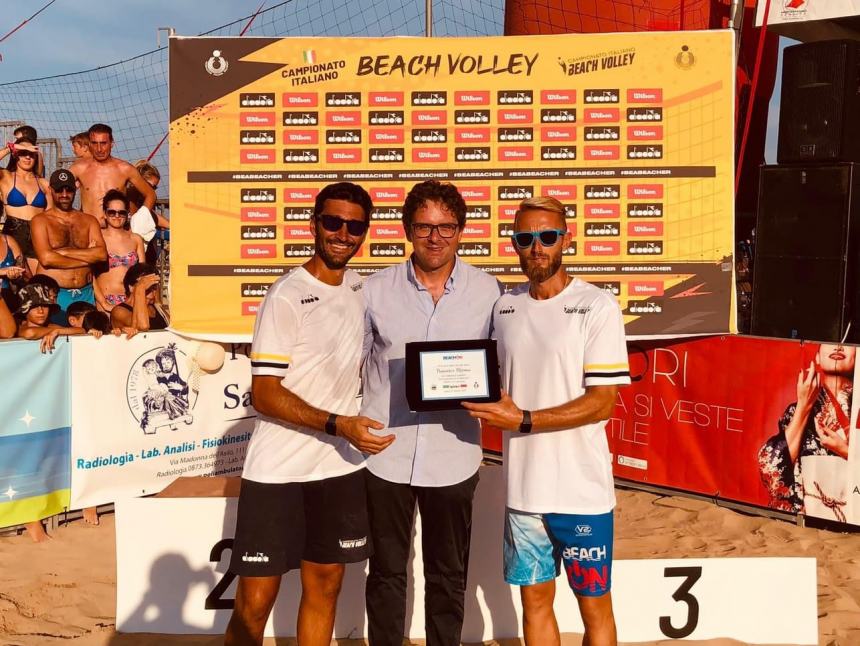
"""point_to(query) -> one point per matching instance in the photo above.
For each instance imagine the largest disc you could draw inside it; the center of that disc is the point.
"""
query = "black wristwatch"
(526, 425)
(331, 425)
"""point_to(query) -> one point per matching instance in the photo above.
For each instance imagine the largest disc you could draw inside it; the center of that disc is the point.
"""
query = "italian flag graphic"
(309, 56)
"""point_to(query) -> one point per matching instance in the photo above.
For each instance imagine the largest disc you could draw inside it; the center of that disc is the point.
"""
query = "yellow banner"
(632, 132)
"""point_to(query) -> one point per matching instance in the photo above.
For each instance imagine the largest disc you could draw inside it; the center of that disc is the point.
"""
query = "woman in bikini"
(125, 249)
(24, 195)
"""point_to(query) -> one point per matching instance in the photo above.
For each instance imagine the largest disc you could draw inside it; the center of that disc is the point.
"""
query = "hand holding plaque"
(440, 375)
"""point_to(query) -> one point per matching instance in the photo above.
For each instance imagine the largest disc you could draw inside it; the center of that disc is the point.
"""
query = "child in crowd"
(37, 304)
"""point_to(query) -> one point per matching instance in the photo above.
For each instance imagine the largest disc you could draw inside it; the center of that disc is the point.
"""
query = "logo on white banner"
(157, 390)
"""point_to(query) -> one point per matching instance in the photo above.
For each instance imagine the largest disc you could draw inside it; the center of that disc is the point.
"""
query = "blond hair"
(146, 169)
(542, 203)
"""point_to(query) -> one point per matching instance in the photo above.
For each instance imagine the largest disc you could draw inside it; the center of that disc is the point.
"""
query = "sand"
(63, 591)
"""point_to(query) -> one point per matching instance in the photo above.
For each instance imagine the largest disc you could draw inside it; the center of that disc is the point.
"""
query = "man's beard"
(539, 274)
(330, 262)
(65, 206)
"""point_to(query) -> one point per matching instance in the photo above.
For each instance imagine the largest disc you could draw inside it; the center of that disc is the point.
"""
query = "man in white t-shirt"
(302, 503)
(562, 355)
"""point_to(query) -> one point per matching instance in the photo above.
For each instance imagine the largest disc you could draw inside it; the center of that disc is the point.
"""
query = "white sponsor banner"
(793, 11)
(172, 557)
(138, 423)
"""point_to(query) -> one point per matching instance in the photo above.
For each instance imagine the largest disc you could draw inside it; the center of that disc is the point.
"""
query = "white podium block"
(172, 556)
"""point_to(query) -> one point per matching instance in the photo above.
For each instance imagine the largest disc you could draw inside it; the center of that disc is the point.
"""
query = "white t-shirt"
(549, 351)
(310, 334)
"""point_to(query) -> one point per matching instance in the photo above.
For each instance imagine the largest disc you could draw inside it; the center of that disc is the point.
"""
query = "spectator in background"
(80, 145)
(68, 243)
(97, 321)
(102, 172)
(43, 279)
(76, 312)
(140, 309)
(124, 250)
(79, 312)
(26, 131)
(37, 301)
(24, 194)
(152, 177)
(29, 133)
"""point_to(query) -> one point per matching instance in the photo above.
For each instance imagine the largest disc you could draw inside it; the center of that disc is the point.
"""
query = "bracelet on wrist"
(331, 425)
(526, 424)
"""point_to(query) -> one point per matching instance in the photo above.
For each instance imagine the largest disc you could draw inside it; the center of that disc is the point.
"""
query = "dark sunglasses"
(547, 237)
(334, 223)
(26, 153)
(116, 213)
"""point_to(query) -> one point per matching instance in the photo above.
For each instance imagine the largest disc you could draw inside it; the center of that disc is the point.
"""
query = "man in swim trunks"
(68, 243)
(100, 173)
(562, 355)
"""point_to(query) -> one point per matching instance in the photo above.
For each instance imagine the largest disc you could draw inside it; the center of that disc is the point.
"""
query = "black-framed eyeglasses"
(334, 223)
(423, 230)
(116, 213)
(547, 237)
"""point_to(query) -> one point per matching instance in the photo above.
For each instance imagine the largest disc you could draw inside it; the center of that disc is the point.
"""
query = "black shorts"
(280, 525)
(20, 230)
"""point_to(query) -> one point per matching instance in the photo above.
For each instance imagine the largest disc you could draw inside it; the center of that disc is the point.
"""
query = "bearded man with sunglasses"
(67, 243)
(434, 461)
(302, 503)
(562, 355)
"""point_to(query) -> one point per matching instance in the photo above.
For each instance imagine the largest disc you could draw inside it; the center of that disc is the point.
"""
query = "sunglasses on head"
(334, 223)
(116, 213)
(547, 237)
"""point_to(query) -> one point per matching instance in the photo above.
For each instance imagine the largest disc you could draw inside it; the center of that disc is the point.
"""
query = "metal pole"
(737, 23)
(171, 32)
(428, 18)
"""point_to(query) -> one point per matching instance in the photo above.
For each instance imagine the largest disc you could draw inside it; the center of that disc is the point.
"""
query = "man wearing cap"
(67, 243)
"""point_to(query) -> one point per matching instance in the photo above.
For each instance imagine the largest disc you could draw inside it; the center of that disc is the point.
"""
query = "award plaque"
(442, 374)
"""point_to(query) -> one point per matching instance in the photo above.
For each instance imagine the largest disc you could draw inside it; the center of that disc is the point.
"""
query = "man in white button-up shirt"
(435, 458)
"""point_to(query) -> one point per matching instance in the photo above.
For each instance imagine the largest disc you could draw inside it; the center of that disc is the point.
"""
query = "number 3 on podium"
(682, 594)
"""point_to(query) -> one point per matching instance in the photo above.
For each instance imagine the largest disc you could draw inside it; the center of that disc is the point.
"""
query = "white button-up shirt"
(432, 449)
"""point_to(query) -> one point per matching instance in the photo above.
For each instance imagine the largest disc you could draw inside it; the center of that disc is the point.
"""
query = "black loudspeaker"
(807, 271)
(819, 110)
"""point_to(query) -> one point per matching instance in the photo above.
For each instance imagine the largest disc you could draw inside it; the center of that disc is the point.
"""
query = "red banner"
(758, 421)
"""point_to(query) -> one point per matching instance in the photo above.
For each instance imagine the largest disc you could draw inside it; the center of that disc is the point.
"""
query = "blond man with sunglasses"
(562, 355)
